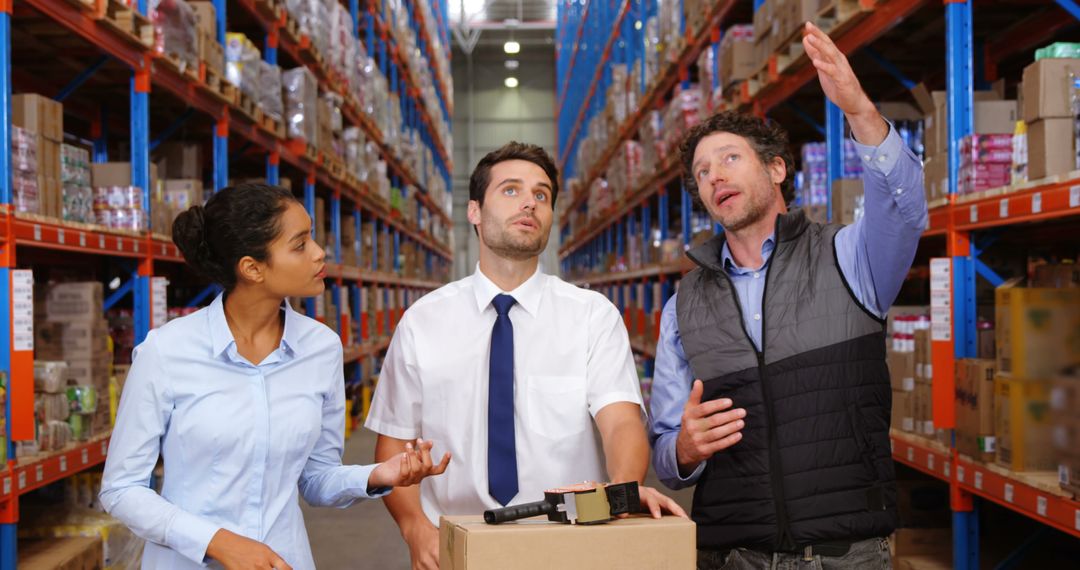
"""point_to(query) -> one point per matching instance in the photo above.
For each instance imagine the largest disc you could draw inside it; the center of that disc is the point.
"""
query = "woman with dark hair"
(243, 399)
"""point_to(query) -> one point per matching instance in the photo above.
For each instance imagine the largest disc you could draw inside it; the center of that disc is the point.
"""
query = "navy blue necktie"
(502, 454)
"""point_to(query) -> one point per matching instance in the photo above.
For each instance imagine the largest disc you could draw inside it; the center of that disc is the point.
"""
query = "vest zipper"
(776, 472)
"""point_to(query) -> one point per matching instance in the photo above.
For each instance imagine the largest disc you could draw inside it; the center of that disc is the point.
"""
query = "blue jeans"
(869, 554)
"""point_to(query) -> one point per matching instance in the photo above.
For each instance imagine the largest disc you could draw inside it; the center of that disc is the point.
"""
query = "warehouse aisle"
(364, 536)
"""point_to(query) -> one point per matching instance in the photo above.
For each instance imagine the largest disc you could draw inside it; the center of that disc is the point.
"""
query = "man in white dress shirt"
(509, 369)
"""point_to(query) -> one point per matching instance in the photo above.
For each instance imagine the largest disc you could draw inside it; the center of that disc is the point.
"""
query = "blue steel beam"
(172, 128)
(834, 145)
(309, 204)
(889, 68)
(208, 291)
(81, 78)
(806, 118)
(122, 291)
(1070, 6)
(140, 177)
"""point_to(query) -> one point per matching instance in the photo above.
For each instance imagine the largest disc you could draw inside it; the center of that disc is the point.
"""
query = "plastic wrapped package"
(122, 549)
(24, 164)
(175, 32)
(112, 197)
(82, 399)
(301, 94)
(268, 95)
(242, 63)
(78, 205)
(51, 407)
(53, 435)
(50, 376)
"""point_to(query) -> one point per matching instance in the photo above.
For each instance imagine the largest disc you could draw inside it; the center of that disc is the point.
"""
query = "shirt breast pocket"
(556, 406)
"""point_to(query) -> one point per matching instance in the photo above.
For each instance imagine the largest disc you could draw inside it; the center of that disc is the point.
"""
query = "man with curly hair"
(770, 391)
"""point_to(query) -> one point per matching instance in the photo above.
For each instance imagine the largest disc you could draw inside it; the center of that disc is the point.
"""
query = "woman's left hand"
(409, 468)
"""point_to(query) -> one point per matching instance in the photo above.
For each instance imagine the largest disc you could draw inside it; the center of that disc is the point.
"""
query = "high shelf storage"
(125, 93)
(627, 220)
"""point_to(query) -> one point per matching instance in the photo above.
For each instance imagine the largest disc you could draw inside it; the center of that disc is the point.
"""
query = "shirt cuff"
(358, 481)
(692, 477)
(882, 157)
(190, 535)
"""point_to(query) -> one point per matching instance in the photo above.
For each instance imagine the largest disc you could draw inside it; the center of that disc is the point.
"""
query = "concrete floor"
(364, 535)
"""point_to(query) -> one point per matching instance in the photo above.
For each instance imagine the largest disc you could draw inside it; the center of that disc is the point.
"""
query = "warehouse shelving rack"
(149, 254)
(957, 219)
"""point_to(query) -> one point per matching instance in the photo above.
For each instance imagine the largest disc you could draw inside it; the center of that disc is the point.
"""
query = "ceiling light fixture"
(511, 82)
(511, 47)
(512, 64)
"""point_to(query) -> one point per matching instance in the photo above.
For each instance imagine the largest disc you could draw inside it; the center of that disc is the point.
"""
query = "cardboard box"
(71, 340)
(205, 17)
(66, 302)
(118, 174)
(1046, 89)
(995, 117)
(902, 370)
(1051, 148)
(212, 53)
(975, 409)
(183, 194)
(939, 561)
(468, 543)
(40, 114)
(78, 553)
(180, 160)
(737, 62)
(846, 200)
(1022, 425)
(1056, 275)
(1037, 330)
(903, 411)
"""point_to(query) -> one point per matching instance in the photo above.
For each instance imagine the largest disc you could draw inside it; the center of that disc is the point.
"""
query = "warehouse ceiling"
(497, 11)
(481, 27)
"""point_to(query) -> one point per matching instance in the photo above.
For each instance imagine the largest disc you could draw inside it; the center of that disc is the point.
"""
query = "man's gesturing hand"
(706, 429)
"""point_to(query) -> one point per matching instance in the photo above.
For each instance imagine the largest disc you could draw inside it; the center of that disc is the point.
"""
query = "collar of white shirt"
(527, 295)
(223, 341)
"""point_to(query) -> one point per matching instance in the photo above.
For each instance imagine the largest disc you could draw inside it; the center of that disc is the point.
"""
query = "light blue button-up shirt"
(874, 253)
(239, 440)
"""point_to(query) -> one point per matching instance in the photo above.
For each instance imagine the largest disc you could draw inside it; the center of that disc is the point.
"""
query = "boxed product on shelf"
(1064, 402)
(118, 546)
(25, 193)
(75, 178)
(1037, 330)
(921, 549)
(1022, 427)
(1046, 89)
(1056, 275)
(42, 121)
(737, 60)
(76, 301)
(1051, 147)
(76, 339)
(179, 160)
(301, 91)
(176, 33)
(242, 59)
(182, 194)
(50, 377)
(975, 408)
(985, 162)
(268, 96)
(320, 220)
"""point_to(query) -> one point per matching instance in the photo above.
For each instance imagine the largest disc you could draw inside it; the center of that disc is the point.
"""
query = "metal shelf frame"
(959, 219)
(145, 249)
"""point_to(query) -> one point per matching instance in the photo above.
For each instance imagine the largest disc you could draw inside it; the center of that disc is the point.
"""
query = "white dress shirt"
(571, 358)
(239, 440)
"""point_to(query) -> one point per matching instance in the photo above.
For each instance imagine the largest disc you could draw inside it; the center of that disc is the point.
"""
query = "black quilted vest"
(814, 464)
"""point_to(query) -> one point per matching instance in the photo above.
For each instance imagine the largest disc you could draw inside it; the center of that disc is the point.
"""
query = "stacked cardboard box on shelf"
(211, 52)
(991, 114)
(42, 122)
(975, 408)
(1064, 402)
(72, 361)
(911, 405)
(1049, 116)
(1038, 331)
